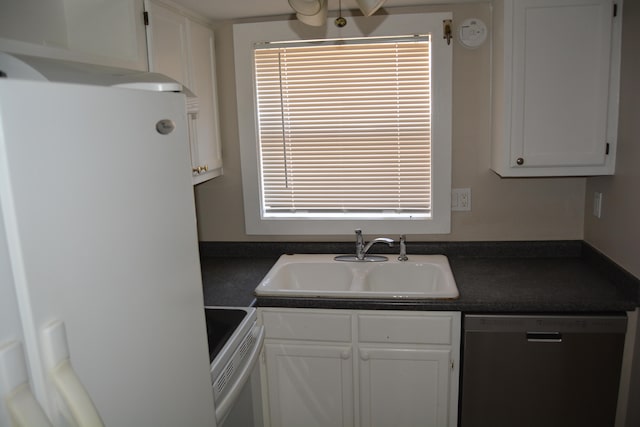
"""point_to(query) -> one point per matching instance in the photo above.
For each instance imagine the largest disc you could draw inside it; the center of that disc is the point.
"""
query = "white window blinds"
(345, 128)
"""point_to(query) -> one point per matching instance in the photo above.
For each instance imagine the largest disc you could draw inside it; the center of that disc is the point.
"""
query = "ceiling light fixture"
(369, 7)
(310, 12)
(314, 12)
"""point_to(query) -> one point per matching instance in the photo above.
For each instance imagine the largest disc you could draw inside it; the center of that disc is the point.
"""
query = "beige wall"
(502, 209)
(617, 232)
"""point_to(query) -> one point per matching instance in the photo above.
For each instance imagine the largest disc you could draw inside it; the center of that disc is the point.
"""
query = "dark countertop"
(563, 277)
(230, 281)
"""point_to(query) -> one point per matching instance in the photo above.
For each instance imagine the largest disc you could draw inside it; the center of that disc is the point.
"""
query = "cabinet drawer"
(307, 325)
(408, 329)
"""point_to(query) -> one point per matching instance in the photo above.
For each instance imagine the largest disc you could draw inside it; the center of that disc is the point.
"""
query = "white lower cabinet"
(360, 368)
(310, 385)
(404, 387)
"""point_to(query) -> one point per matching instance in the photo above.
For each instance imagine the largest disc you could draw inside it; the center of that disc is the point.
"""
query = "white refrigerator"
(101, 305)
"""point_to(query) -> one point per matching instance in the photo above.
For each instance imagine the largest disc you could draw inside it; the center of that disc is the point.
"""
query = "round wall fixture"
(472, 33)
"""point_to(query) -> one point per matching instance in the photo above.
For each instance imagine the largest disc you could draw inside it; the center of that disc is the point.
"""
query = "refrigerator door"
(17, 403)
(98, 208)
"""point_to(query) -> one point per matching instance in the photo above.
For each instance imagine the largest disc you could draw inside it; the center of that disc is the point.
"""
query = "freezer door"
(98, 207)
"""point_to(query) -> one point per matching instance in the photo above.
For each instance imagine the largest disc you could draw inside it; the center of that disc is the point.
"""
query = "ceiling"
(235, 9)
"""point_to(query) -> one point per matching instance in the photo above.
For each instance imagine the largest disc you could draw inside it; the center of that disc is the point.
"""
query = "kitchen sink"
(301, 275)
(309, 276)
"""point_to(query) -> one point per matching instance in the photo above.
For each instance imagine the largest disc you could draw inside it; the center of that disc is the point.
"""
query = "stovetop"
(225, 325)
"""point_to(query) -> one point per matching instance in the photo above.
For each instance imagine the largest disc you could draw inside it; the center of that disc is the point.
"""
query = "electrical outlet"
(460, 199)
(597, 204)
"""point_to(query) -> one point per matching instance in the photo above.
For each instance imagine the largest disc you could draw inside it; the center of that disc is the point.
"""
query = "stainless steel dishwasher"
(541, 370)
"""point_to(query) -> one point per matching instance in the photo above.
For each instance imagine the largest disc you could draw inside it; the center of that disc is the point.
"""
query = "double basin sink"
(301, 275)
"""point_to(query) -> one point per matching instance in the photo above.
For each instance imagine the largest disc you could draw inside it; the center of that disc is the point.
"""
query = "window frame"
(247, 35)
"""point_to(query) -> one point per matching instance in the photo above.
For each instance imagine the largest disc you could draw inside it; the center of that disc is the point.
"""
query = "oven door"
(235, 343)
(246, 408)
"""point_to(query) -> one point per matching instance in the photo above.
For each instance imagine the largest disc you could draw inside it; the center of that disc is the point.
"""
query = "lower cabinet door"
(404, 387)
(310, 385)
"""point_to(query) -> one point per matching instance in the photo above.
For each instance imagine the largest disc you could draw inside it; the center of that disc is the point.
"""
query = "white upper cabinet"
(168, 46)
(107, 33)
(555, 87)
(183, 49)
(207, 148)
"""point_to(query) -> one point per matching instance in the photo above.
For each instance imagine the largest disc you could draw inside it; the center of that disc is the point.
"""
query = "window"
(344, 128)
(350, 132)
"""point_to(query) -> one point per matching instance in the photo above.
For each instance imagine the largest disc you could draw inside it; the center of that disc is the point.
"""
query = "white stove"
(235, 341)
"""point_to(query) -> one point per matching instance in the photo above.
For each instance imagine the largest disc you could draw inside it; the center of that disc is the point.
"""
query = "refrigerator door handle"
(74, 395)
(24, 409)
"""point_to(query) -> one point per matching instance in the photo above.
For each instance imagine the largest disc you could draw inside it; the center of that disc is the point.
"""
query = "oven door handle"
(226, 404)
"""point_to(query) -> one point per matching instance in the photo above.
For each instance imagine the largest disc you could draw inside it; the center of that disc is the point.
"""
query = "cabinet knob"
(520, 161)
(364, 355)
(345, 354)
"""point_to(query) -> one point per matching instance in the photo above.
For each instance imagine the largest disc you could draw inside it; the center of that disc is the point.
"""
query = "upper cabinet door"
(183, 49)
(206, 153)
(556, 101)
(168, 48)
(99, 32)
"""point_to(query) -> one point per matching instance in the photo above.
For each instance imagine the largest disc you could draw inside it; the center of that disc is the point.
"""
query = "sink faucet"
(362, 248)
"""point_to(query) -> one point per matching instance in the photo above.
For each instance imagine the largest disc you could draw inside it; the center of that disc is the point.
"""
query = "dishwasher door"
(541, 371)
